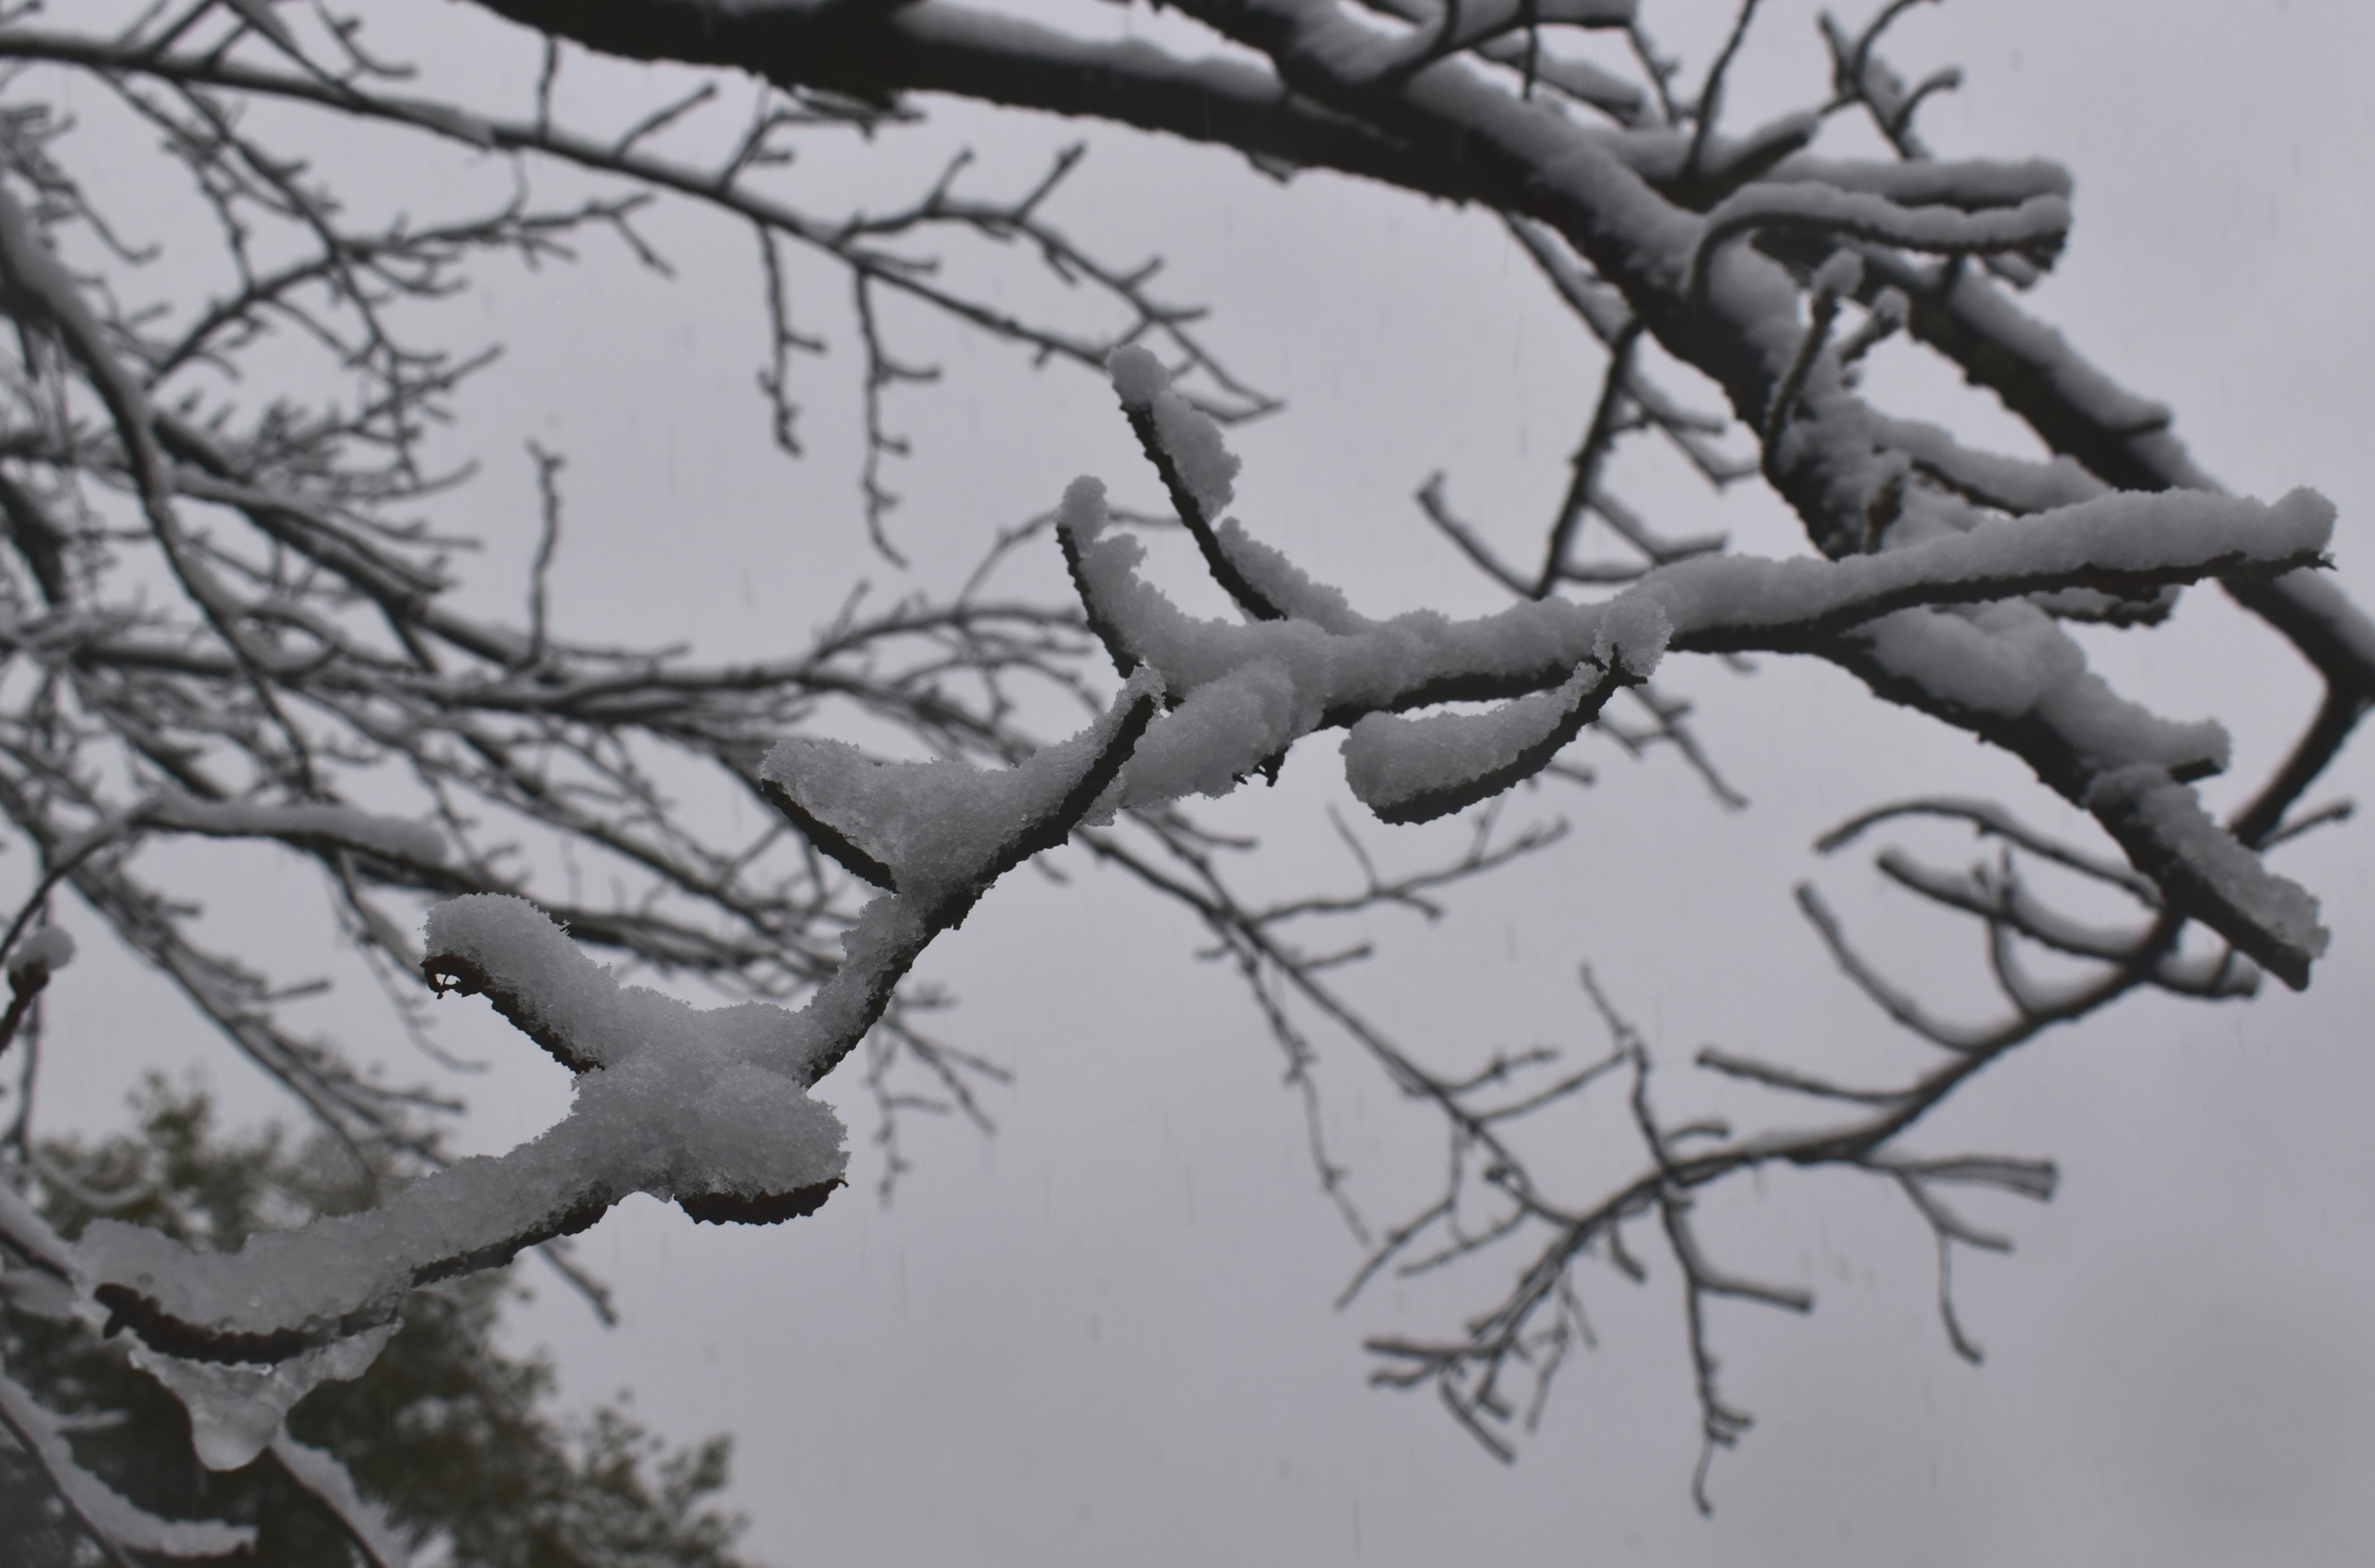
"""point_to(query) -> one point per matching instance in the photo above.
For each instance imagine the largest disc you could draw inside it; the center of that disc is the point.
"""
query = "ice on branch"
(237, 1408)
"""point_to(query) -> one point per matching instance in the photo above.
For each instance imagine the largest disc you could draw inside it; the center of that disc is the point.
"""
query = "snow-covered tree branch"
(232, 613)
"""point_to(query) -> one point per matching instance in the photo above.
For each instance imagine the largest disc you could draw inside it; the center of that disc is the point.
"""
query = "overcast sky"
(1104, 1335)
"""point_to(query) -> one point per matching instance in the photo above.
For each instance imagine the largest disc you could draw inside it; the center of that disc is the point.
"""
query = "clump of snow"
(1633, 632)
(1225, 730)
(48, 947)
(1138, 376)
(1189, 437)
(934, 827)
(1414, 769)
(1287, 586)
(1840, 274)
(1998, 659)
(721, 1089)
(1192, 439)
(2119, 733)
(2143, 796)
(2012, 483)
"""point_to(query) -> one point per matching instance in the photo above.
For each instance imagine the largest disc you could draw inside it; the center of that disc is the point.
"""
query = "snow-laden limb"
(306, 823)
(1416, 770)
(1284, 678)
(1450, 27)
(2120, 438)
(2007, 673)
(1579, 79)
(118, 1524)
(1408, 770)
(2036, 228)
(1973, 185)
(708, 1109)
(1744, 329)
(2012, 484)
(940, 833)
(1996, 895)
(2121, 542)
(2163, 827)
(1994, 663)
(1195, 465)
(367, 1526)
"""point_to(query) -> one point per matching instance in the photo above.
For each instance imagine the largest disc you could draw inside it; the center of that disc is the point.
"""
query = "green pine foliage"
(449, 1434)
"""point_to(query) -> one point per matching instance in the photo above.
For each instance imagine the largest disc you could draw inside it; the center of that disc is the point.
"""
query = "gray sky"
(1104, 1334)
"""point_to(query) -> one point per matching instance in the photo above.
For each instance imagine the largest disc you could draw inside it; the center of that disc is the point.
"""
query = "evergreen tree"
(456, 1439)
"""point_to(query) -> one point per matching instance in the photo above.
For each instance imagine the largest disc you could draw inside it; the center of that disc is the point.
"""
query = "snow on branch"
(1579, 79)
(1246, 692)
(1973, 185)
(1937, 606)
(119, 1525)
(305, 823)
(2036, 228)
(708, 1108)
(940, 832)
(1446, 27)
